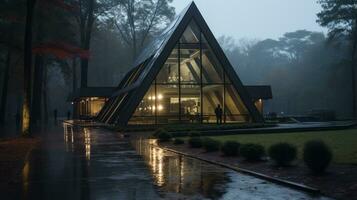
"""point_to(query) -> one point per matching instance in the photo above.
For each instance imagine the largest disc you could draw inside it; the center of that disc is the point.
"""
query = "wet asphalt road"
(99, 164)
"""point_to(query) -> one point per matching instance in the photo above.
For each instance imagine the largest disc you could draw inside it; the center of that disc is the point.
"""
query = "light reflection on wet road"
(99, 164)
(179, 177)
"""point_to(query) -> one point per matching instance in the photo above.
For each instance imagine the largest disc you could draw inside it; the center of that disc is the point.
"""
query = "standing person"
(218, 111)
(55, 115)
(68, 115)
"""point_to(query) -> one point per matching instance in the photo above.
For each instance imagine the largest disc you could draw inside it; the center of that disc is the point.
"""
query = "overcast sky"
(256, 19)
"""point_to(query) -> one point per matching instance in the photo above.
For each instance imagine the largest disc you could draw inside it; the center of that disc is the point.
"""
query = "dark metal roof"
(91, 92)
(157, 44)
(259, 91)
(124, 101)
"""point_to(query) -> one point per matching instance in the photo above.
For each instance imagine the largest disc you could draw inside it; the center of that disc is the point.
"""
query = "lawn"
(343, 143)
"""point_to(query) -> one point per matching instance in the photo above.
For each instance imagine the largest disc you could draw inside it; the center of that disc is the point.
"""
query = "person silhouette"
(218, 111)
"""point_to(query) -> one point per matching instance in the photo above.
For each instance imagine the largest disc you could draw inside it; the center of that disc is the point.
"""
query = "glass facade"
(190, 85)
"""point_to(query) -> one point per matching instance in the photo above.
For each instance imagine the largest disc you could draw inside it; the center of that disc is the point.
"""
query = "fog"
(270, 42)
(259, 19)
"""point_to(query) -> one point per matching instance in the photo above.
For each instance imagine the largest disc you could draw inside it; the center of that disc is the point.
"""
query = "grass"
(343, 143)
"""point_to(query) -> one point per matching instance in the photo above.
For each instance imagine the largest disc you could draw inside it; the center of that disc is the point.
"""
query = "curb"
(279, 181)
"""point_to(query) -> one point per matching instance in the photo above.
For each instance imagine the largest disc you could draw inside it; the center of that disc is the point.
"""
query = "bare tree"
(137, 20)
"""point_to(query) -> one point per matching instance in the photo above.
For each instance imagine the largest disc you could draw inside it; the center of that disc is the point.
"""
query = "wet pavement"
(94, 163)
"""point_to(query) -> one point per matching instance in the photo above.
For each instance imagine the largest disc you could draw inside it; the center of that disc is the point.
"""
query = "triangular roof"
(137, 81)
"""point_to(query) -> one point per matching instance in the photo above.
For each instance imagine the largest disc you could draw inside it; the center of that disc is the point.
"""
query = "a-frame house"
(181, 77)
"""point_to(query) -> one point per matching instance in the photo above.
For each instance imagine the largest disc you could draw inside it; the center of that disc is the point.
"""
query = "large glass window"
(145, 112)
(235, 110)
(190, 65)
(212, 70)
(191, 34)
(213, 95)
(190, 86)
(167, 102)
(169, 73)
(190, 103)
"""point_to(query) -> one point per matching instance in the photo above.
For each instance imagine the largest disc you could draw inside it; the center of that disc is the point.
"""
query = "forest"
(48, 48)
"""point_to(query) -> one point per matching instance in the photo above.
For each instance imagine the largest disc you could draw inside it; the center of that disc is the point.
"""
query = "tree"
(137, 20)
(49, 18)
(11, 34)
(26, 105)
(340, 17)
(86, 15)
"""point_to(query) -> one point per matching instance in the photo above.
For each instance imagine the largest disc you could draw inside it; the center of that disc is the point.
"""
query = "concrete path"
(94, 163)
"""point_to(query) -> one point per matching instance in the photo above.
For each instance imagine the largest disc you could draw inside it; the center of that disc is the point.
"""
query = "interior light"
(159, 96)
(160, 107)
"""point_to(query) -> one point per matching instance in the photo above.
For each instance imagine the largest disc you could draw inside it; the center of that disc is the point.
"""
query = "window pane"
(189, 64)
(234, 108)
(191, 34)
(167, 103)
(145, 112)
(169, 71)
(145, 108)
(212, 97)
(190, 103)
(212, 70)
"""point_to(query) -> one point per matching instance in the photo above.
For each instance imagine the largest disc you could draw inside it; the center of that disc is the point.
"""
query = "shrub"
(283, 153)
(179, 141)
(210, 144)
(317, 156)
(163, 135)
(158, 132)
(252, 152)
(230, 148)
(195, 142)
(194, 134)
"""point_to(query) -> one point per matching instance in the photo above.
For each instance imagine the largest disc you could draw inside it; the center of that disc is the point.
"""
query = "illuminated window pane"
(167, 104)
(145, 112)
(212, 97)
(191, 34)
(189, 65)
(190, 103)
(234, 108)
(169, 72)
(96, 104)
(212, 70)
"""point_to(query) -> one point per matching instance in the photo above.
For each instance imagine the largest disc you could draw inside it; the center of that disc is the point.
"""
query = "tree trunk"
(5, 87)
(44, 95)
(353, 78)
(74, 71)
(353, 69)
(26, 105)
(37, 90)
(86, 33)
(74, 86)
(38, 75)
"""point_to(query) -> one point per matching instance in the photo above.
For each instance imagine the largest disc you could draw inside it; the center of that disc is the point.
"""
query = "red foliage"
(61, 50)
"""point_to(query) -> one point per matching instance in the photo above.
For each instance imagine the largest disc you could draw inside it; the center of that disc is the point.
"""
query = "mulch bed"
(13, 153)
(340, 181)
